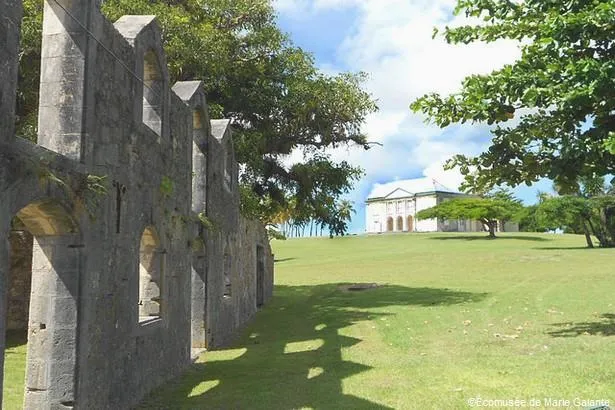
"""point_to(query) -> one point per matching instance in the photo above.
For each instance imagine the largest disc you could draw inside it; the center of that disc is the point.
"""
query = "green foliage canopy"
(564, 82)
(589, 216)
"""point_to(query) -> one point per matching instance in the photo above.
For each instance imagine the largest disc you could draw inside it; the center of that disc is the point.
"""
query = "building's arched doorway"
(410, 223)
(400, 224)
(44, 255)
(389, 224)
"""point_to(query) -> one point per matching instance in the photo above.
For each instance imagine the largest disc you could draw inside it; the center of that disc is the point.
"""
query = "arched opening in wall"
(150, 276)
(400, 224)
(389, 224)
(42, 267)
(410, 223)
(153, 89)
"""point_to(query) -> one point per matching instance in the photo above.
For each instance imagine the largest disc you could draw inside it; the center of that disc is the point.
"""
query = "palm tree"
(345, 210)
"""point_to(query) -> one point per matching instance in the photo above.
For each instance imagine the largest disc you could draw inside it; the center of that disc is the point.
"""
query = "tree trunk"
(492, 227)
(588, 237)
(598, 233)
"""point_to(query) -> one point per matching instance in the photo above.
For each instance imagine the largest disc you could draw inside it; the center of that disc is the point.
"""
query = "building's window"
(399, 207)
(150, 275)
(389, 208)
(408, 206)
(153, 88)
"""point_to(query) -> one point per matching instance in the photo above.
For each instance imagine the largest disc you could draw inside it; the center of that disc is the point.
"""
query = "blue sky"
(391, 41)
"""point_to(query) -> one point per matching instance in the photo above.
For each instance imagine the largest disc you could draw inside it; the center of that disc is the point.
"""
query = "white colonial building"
(393, 207)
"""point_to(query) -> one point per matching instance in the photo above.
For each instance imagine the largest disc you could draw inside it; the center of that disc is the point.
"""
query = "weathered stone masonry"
(124, 284)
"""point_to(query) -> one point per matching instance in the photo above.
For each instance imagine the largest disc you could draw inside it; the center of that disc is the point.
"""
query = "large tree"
(278, 100)
(562, 91)
(490, 211)
(589, 211)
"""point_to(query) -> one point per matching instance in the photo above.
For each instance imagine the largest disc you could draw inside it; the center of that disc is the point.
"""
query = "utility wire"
(128, 69)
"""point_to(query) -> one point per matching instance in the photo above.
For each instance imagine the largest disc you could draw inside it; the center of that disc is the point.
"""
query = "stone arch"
(153, 89)
(409, 223)
(400, 224)
(55, 271)
(390, 224)
(151, 274)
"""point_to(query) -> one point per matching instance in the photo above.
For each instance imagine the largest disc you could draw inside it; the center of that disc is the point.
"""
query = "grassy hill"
(454, 317)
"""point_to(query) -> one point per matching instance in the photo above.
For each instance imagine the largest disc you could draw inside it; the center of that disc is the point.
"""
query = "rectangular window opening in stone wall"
(28, 84)
(153, 88)
(197, 120)
(151, 261)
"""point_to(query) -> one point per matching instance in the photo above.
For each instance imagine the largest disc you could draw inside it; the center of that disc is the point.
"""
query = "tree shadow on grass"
(291, 355)
(605, 326)
(487, 238)
(15, 338)
(284, 260)
(561, 248)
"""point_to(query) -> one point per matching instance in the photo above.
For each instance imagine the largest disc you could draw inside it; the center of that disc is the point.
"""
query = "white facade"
(393, 207)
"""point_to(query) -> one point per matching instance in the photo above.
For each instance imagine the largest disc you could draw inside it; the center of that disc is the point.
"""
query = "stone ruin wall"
(107, 111)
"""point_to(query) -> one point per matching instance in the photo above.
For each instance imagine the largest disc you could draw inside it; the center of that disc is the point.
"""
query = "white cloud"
(451, 179)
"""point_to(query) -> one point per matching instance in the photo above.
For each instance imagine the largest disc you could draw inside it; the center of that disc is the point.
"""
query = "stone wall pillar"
(10, 23)
(52, 325)
(199, 300)
(67, 47)
(199, 258)
(199, 179)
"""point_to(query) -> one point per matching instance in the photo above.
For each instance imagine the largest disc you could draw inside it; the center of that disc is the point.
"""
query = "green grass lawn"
(457, 317)
(14, 370)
